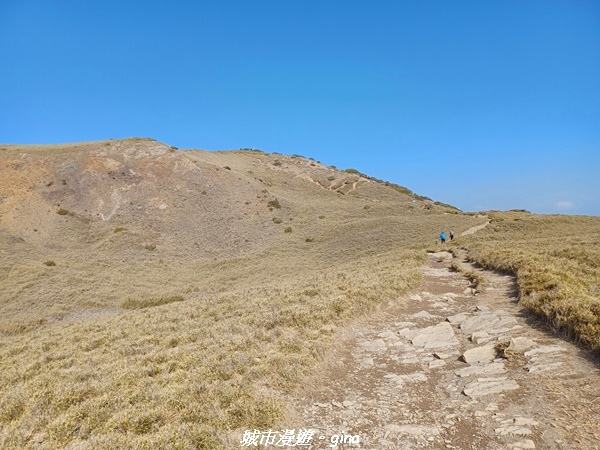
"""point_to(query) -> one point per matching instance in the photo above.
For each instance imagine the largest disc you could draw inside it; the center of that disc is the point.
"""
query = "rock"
(423, 315)
(407, 333)
(526, 444)
(413, 430)
(347, 403)
(437, 336)
(513, 430)
(479, 355)
(457, 319)
(520, 344)
(415, 298)
(544, 367)
(525, 421)
(487, 386)
(404, 324)
(480, 322)
(491, 322)
(374, 346)
(480, 337)
(368, 362)
(387, 335)
(436, 364)
(48, 183)
(490, 369)
(544, 349)
(410, 378)
(411, 360)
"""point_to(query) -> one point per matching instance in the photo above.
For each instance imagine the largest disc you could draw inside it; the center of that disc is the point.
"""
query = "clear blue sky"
(480, 104)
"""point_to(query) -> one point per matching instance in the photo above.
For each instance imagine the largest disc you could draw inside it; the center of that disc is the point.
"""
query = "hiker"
(443, 237)
(451, 235)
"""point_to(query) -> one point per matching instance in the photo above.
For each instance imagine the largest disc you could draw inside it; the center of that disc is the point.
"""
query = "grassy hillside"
(557, 262)
(155, 298)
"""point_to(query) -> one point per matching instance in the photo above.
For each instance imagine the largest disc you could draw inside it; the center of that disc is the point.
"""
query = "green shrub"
(227, 167)
(150, 247)
(277, 163)
(287, 229)
(50, 263)
(277, 220)
(62, 212)
(119, 229)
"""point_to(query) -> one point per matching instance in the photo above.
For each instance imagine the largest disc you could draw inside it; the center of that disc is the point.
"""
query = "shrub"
(321, 217)
(277, 220)
(62, 212)
(277, 163)
(331, 178)
(354, 171)
(287, 229)
(150, 247)
(119, 229)
(227, 167)
(274, 204)
(309, 239)
(50, 263)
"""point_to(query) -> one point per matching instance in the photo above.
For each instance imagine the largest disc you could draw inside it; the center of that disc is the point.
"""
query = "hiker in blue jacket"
(443, 237)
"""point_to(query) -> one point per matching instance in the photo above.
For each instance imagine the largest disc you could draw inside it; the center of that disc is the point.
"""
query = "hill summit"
(187, 203)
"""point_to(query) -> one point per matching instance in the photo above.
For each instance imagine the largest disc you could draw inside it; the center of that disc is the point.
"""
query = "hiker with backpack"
(443, 237)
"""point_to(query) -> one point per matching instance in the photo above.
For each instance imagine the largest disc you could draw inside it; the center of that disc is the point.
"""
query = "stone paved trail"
(454, 369)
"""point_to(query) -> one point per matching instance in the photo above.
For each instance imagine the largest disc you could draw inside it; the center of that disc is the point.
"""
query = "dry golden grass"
(185, 345)
(557, 263)
(182, 375)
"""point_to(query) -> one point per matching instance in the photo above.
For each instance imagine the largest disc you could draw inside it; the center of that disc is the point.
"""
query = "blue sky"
(480, 104)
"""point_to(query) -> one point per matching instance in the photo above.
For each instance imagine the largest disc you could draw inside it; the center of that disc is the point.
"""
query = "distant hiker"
(451, 235)
(428, 207)
(443, 237)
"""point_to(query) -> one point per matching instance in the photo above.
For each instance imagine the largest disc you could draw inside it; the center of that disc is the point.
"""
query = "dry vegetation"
(557, 263)
(183, 346)
(152, 298)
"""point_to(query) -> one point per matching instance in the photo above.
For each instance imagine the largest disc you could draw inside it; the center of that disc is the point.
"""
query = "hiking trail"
(451, 368)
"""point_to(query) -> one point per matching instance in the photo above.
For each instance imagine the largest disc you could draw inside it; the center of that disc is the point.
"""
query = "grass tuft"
(141, 303)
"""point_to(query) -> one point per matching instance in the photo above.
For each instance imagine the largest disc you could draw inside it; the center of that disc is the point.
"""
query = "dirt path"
(437, 373)
(474, 229)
